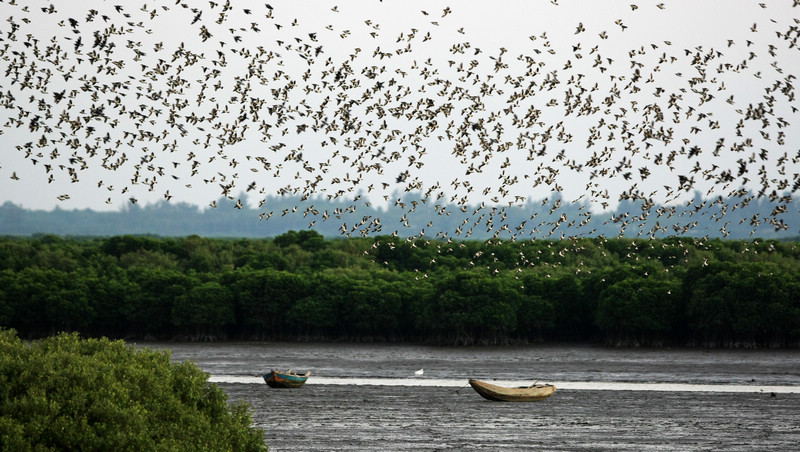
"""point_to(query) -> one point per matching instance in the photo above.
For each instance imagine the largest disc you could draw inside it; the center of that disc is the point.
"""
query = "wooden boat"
(496, 393)
(288, 379)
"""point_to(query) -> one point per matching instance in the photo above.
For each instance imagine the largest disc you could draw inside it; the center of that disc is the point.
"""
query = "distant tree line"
(301, 286)
(742, 215)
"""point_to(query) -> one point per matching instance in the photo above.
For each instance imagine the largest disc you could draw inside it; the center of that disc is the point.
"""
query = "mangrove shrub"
(68, 393)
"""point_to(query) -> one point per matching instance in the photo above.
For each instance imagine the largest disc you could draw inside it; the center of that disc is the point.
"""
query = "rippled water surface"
(536, 362)
(367, 397)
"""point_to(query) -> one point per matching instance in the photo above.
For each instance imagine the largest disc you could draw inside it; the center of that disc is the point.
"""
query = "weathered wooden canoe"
(496, 393)
(288, 379)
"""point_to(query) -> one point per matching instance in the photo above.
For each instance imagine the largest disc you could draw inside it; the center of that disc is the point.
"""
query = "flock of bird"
(242, 98)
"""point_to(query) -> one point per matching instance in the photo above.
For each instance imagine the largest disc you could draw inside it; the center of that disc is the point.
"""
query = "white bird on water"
(419, 372)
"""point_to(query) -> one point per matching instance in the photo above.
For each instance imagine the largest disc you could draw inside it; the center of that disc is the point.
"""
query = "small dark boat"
(288, 379)
(496, 393)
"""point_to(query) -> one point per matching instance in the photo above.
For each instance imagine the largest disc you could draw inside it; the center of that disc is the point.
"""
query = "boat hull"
(275, 379)
(495, 393)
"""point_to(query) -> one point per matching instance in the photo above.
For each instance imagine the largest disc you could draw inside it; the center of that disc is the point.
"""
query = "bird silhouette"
(356, 112)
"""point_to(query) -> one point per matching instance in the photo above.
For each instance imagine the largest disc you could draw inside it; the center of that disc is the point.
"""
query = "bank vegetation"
(301, 286)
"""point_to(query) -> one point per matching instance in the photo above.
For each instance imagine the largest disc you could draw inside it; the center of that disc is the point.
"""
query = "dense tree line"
(299, 285)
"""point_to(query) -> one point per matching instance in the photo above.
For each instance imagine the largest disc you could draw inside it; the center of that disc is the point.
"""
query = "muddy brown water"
(322, 416)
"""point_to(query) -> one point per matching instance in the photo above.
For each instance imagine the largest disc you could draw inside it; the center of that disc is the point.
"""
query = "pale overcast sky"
(603, 79)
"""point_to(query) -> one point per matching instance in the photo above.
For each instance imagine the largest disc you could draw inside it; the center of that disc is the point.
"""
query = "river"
(368, 397)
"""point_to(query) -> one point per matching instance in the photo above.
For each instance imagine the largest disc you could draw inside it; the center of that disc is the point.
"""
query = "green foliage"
(204, 308)
(473, 306)
(67, 393)
(307, 239)
(621, 291)
(744, 302)
(639, 310)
